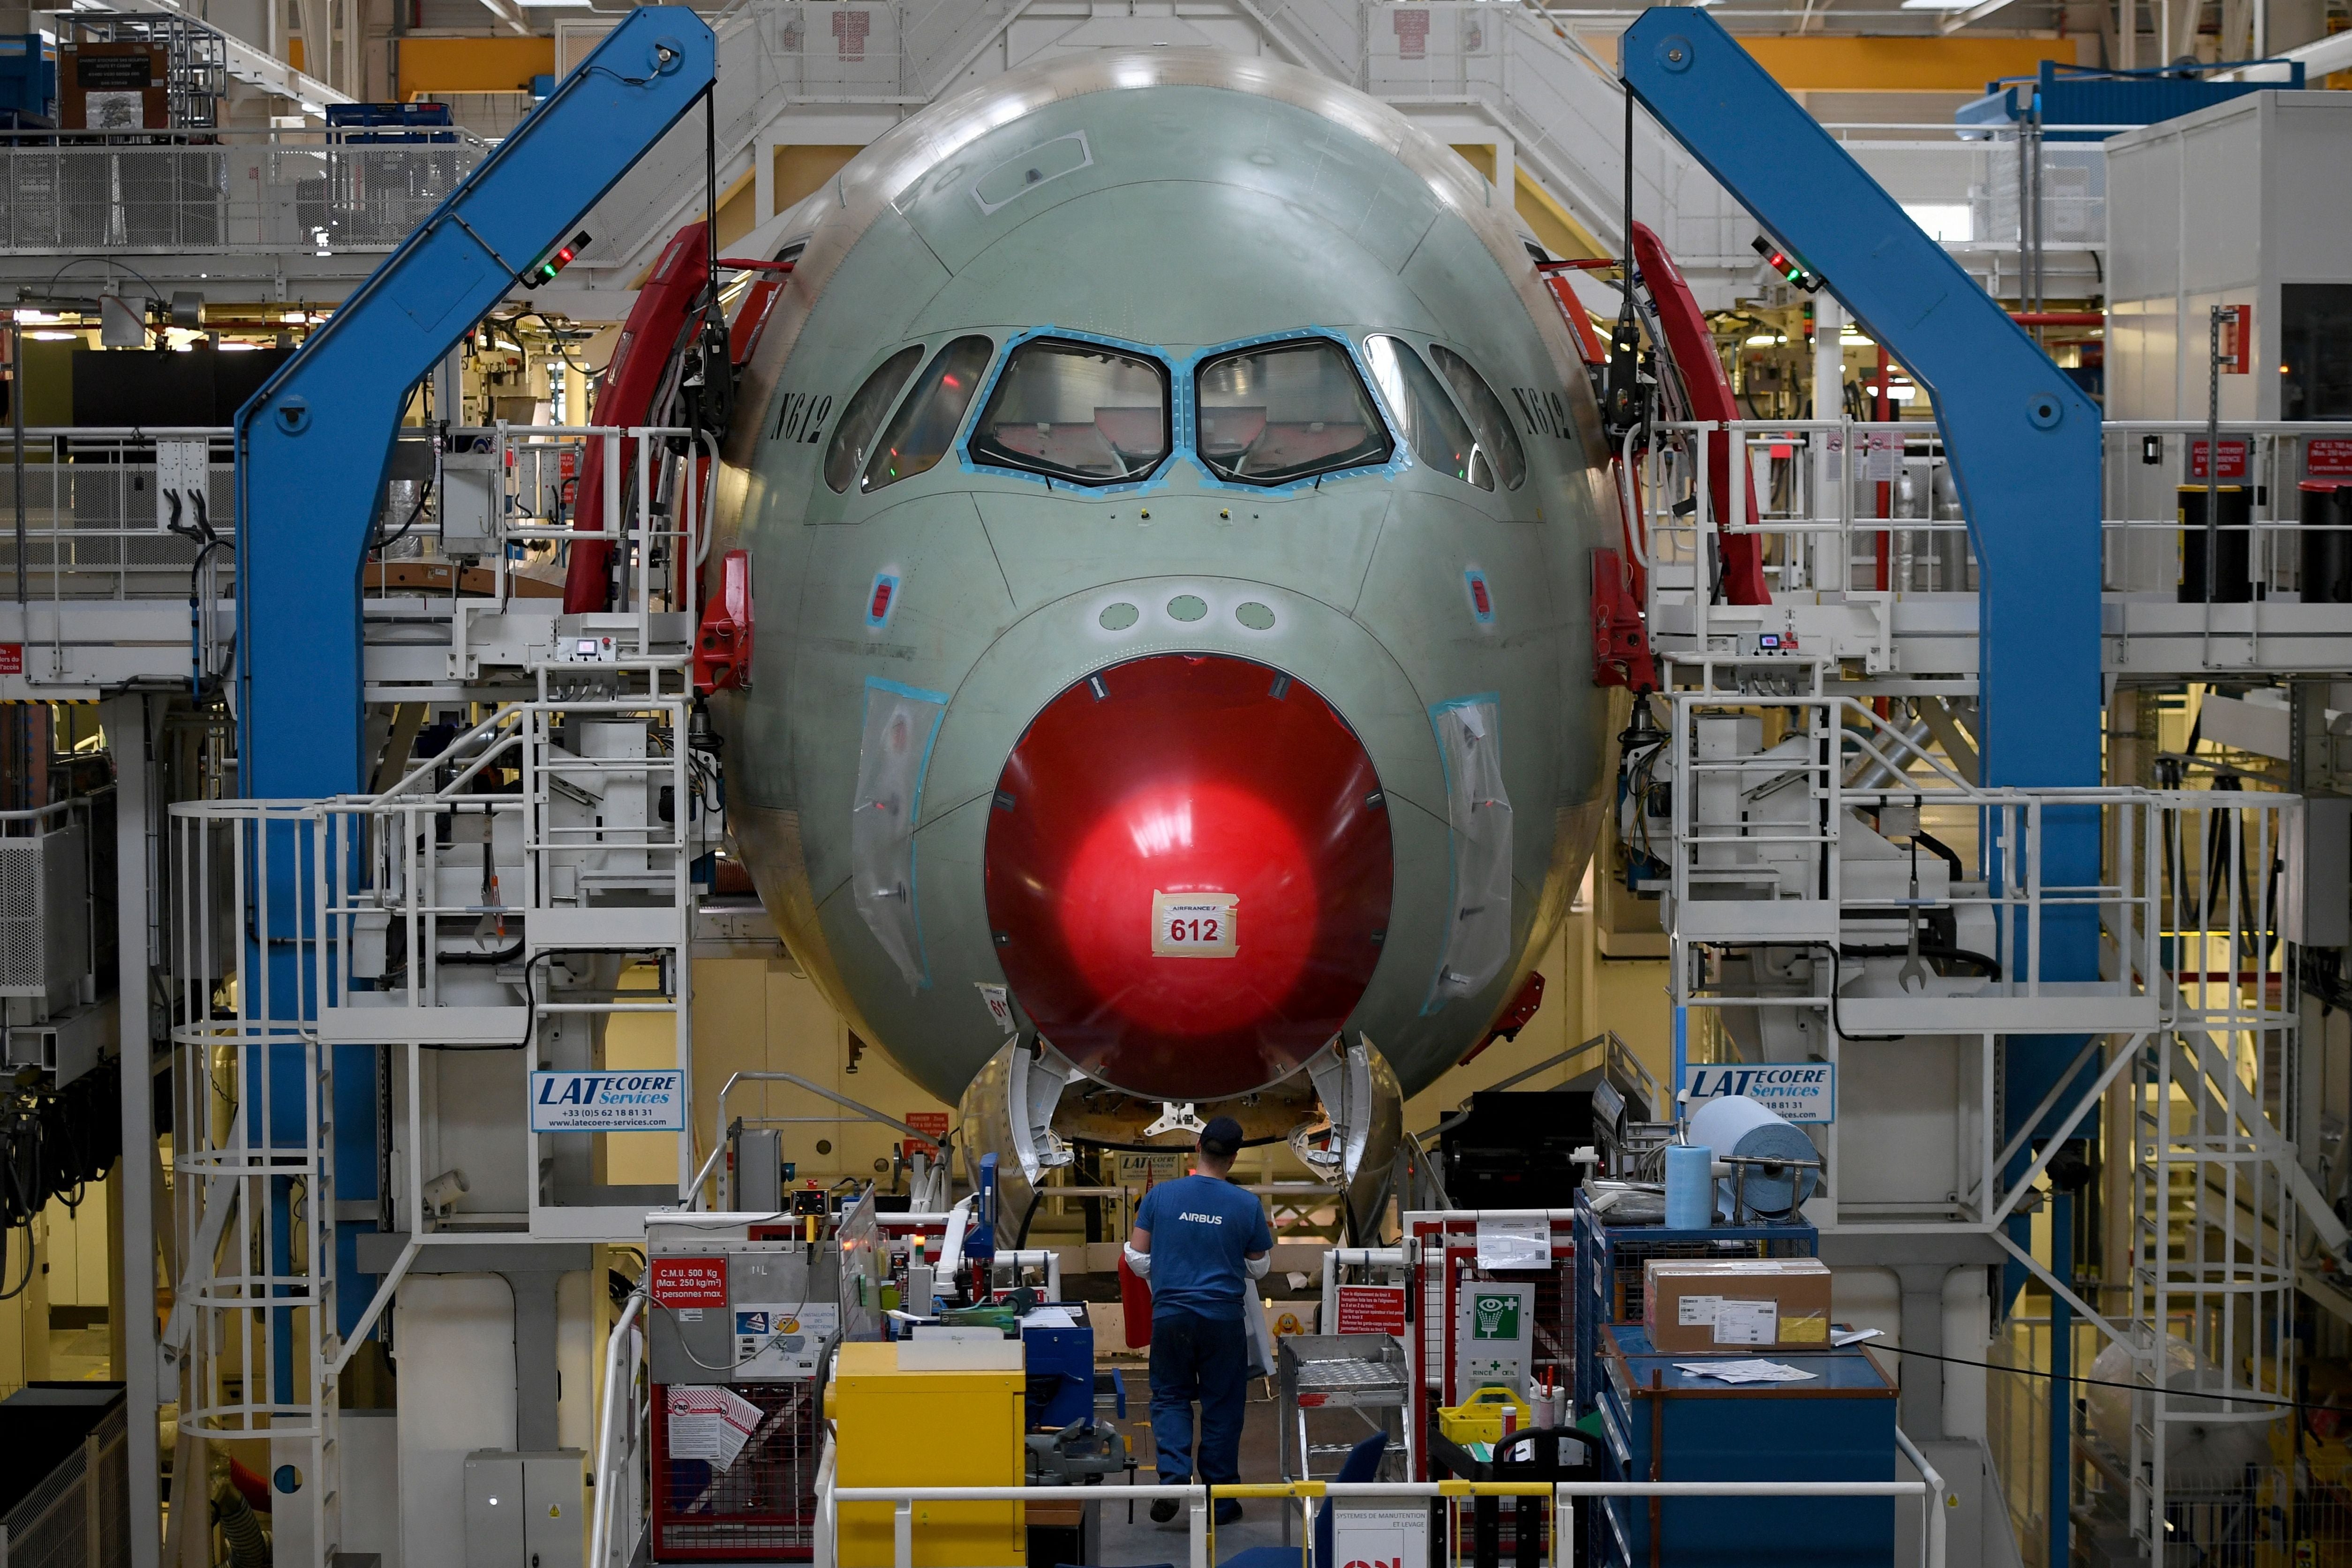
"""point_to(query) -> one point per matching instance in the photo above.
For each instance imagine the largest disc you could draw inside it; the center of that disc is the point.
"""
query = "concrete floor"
(1125, 1545)
(77, 1351)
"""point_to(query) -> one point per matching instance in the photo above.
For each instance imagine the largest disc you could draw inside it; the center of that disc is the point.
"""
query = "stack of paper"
(707, 1422)
(1744, 1371)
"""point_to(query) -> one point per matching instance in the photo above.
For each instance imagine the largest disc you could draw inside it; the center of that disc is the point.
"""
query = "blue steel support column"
(311, 451)
(2024, 441)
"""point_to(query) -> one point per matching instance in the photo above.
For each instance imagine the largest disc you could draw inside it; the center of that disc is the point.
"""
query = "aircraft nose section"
(1188, 874)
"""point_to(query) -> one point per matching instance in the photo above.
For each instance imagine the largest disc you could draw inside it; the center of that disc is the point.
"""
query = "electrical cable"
(739, 1361)
(555, 334)
(503, 955)
(53, 1142)
(72, 261)
(2212, 1394)
(1985, 965)
(382, 540)
(1942, 851)
(31, 1261)
(531, 1014)
(1837, 1019)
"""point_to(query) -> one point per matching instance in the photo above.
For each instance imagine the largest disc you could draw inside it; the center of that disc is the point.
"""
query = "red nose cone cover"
(1188, 874)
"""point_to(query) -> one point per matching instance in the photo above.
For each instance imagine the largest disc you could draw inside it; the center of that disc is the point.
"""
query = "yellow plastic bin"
(1479, 1418)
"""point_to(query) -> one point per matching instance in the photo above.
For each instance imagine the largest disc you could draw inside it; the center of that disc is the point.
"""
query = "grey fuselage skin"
(1214, 199)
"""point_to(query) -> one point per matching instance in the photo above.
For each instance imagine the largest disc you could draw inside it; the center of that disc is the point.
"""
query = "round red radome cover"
(1188, 874)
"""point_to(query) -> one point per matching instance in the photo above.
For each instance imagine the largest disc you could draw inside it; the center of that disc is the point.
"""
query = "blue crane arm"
(2022, 440)
(314, 443)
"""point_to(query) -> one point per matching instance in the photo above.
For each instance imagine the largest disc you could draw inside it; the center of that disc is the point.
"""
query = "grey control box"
(523, 1510)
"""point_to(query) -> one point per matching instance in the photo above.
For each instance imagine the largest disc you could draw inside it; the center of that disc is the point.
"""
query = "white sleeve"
(1140, 1263)
(1259, 1265)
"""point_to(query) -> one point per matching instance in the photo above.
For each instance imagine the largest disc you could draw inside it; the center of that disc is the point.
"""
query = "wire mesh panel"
(2255, 1513)
(51, 1526)
(762, 1507)
(93, 526)
(323, 193)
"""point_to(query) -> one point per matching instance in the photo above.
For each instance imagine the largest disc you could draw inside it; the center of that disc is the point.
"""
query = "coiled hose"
(239, 1526)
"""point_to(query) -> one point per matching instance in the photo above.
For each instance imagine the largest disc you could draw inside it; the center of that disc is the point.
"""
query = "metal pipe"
(600, 1528)
(376, 1303)
(1933, 1525)
(17, 430)
(1876, 772)
(2062, 1381)
(1338, 1257)
(1394, 1489)
(2212, 470)
(719, 1125)
(1929, 1489)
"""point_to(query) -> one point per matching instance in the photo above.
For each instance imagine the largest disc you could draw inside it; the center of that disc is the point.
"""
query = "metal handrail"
(691, 1195)
(1929, 1488)
(603, 1476)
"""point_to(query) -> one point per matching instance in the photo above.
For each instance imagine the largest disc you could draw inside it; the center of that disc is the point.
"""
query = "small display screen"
(587, 648)
(1768, 639)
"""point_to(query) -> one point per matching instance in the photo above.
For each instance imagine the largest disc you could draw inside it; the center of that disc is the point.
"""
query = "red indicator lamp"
(1793, 271)
(555, 262)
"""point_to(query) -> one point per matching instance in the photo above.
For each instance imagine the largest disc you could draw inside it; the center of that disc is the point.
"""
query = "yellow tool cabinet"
(894, 1428)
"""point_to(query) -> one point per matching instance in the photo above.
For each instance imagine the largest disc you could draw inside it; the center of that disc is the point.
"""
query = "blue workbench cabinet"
(1838, 1425)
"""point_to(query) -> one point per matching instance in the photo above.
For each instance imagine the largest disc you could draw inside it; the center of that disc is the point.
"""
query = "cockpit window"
(1496, 439)
(853, 438)
(927, 422)
(1076, 411)
(1437, 434)
(1287, 411)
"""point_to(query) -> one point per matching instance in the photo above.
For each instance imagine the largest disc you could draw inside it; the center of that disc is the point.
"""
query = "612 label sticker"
(1195, 925)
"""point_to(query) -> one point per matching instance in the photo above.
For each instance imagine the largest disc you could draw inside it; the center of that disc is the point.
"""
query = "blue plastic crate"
(400, 122)
(2070, 95)
(28, 81)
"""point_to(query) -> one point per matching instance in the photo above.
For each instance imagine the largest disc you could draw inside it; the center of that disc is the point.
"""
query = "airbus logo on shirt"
(1203, 1218)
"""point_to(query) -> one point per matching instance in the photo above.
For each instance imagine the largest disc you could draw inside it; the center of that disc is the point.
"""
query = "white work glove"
(1139, 1263)
(1259, 1265)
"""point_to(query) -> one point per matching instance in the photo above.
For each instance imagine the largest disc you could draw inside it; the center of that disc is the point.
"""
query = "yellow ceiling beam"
(473, 65)
(1835, 64)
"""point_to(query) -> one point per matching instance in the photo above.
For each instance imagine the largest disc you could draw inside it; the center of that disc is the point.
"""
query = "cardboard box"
(1735, 1303)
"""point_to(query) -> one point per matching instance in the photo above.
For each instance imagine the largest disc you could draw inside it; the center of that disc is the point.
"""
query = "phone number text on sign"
(646, 1100)
(1195, 925)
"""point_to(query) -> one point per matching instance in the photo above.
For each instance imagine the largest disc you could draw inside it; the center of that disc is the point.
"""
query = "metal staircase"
(1783, 823)
(395, 960)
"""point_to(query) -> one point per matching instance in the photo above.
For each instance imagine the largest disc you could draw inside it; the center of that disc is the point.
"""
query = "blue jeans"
(1196, 1358)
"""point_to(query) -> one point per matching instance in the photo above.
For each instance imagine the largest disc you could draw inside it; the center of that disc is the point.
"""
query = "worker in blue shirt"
(1198, 1241)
